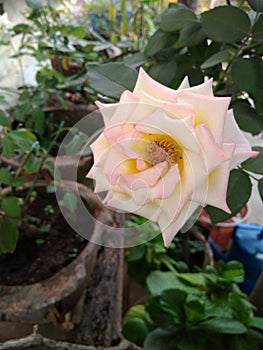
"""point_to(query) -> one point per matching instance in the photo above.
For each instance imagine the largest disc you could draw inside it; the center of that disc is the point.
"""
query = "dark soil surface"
(46, 244)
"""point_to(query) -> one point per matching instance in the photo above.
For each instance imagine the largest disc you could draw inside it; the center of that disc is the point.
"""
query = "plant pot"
(52, 303)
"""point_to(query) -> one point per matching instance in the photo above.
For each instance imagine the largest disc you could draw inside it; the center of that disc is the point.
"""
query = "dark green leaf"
(256, 5)
(19, 181)
(160, 339)
(8, 236)
(136, 60)
(11, 207)
(172, 301)
(176, 18)
(8, 146)
(216, 58)
(32, 164)
(231, 271)
(246, 117)
(244, 73)
(135, 330)
(240, 311)
(111, 79)
(225, 24)
(159, 314)
(21, 28)
(38, 117)
(4, 120)
(191, 34)
(136, 253)
(255, 165)
(194, 311)
(158, 41)
(258, 30)
(257, 322)
(260, 188)
(5, 176)
(222, 325)
(164, 72)
(238, 193)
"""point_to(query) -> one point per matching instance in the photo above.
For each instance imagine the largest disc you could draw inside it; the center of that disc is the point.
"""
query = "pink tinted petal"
(147, 84)
(210, 111)
(107, 110)
(181, 130)
(166, 185)
(141, 164)
(146, 178)
(171, 228)
(232, 134)
(212, 153)
(99, 147)
(113, 132)
(175, 109)
(203, 89)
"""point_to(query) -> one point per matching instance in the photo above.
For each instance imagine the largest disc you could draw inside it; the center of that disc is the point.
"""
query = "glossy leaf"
(4, 121)
(135, 330)
(255, 165)
(244, 73)
(158, 41)
(8, 236)
(222, 325)
(5, 176)
(160, 339)
(238, 193)
(247, 118)
(216, 58)
(164, 72)
(258, 30)
(225, 24)
(191, 34)
(175, 19)
(10, 207)
(111, 79)
(256, 5)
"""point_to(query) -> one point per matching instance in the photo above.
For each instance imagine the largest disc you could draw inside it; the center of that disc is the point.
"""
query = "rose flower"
(164, 152)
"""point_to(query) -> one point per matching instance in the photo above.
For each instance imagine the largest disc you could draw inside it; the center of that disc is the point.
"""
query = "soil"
(46, 244)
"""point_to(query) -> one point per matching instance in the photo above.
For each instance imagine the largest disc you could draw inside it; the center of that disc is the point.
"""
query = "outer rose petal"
(170, 228)
(202, 89)
(232, 134)
(210, 111)
(146, 84)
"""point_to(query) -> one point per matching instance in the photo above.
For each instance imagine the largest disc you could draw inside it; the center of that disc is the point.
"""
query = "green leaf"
(111, 79)
(70, 201)
(194, 311)
(215, 59)
(222, 325)
(257, 34)
(225, 24)
(172, 301)
(158, 281)
(159, 314)
(8, 146)
(175, 19)
(34, 4)
(8, 236)
(136, 60)
(260, 188)
(160, 339)
(191, 35)
(238, 193)
(244, 73)
(256, 322)
(79, 32)
(32, 164)
(19, 181)
(135, 330)
(21, 28)
(255, 165)
(38, 117)
(5, 176)
(158, 41)
(246, 117)
(11, 207)
(256, 5)
(231, 271)
(164, 72)
(240, 310)
(4, 121)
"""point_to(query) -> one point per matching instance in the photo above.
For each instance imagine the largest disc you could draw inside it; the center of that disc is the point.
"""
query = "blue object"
(247, 247)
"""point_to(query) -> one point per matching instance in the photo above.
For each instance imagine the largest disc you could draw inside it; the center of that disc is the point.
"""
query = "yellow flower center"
(157, 148)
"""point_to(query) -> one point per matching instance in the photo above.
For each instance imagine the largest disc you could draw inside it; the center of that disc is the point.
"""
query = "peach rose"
(164, 153)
